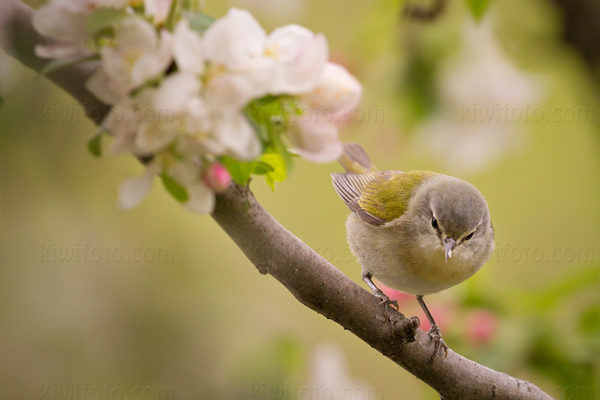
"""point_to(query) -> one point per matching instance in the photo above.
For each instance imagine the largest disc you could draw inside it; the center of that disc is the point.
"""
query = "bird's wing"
(387, 195)
(355, 160)
(378, 197)
(349, 187)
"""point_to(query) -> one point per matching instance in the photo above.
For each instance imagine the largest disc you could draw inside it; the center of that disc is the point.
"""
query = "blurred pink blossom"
(393, 294)
(481, 326)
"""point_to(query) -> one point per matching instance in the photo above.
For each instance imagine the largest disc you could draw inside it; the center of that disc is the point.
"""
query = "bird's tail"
(356, 160)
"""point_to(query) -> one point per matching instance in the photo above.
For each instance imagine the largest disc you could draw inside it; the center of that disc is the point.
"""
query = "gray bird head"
(453, 219)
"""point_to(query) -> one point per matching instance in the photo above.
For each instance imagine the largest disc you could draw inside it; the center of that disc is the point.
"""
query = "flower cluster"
(202, 101)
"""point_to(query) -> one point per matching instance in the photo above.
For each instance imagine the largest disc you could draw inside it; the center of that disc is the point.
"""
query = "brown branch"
(310, 278)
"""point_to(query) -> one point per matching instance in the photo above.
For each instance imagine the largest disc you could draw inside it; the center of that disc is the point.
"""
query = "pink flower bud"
(216, 177)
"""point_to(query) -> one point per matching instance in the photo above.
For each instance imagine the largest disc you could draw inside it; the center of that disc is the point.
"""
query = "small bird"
(418, 232)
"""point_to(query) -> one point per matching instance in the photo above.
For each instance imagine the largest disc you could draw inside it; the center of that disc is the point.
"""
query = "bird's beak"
(449, 244)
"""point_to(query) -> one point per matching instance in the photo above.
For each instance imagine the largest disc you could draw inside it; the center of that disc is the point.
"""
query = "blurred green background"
(501, 102)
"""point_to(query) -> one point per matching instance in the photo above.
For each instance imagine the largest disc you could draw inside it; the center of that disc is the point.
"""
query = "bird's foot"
(386, 300)
(379, 294)
(436, 337)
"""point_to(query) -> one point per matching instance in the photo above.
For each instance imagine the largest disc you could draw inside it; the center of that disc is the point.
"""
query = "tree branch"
(310, 278)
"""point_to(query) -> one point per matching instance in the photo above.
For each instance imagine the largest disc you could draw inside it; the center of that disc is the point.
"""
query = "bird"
(418, 232)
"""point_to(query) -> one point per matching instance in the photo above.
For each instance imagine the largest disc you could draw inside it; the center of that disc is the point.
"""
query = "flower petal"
(236, 134)
(157, 9)
(98, 85)
(317, 141)
(202, 199)
(184, 172)
(188, 49)
(132, 191)
(153, 62)
(235, 39)
(301, 57)
(336, 91)
(155, 135)
(229, 92)
(56, 22)
(175, 93)
(60, 50)
(122, 124)
(135, 34)
(284, 42)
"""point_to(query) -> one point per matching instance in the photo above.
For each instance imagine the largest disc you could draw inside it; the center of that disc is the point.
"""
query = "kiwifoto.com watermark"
(264, 391)
(85, 391)
(532, 254)
(87, 253)
(53, 112)
(506, 113)
(504, 252)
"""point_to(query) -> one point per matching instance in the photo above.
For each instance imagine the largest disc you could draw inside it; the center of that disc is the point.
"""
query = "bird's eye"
(434, 223)
(469, 236)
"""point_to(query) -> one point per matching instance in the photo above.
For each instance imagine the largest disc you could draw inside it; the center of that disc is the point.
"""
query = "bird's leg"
(434, 332)
(366, 276)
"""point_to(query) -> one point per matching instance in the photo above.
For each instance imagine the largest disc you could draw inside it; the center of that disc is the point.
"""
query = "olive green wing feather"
(378, 197)
(349, 187)
(387, 195)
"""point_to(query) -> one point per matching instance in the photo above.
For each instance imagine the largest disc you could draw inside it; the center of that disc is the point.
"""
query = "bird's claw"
(436, 337)
(386, 300)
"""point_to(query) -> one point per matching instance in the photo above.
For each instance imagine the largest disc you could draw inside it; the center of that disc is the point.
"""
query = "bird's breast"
(400, 263)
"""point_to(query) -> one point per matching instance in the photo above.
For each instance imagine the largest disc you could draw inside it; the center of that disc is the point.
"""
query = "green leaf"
(279, 170)
(173, 187)
(65, 62)
(103, 17)
(478, 8)
(95, 145)
(275, 133)
(262, 168)
(240, 170)
(198, 21)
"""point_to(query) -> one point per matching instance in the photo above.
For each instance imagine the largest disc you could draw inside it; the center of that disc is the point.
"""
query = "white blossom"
(214, 120)
(184, 120)
(185, 171)
(158, 10)
(64, 21)
(139, 55)
(289, 61)
(336, 91)
(299, 57)
(122, 123)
